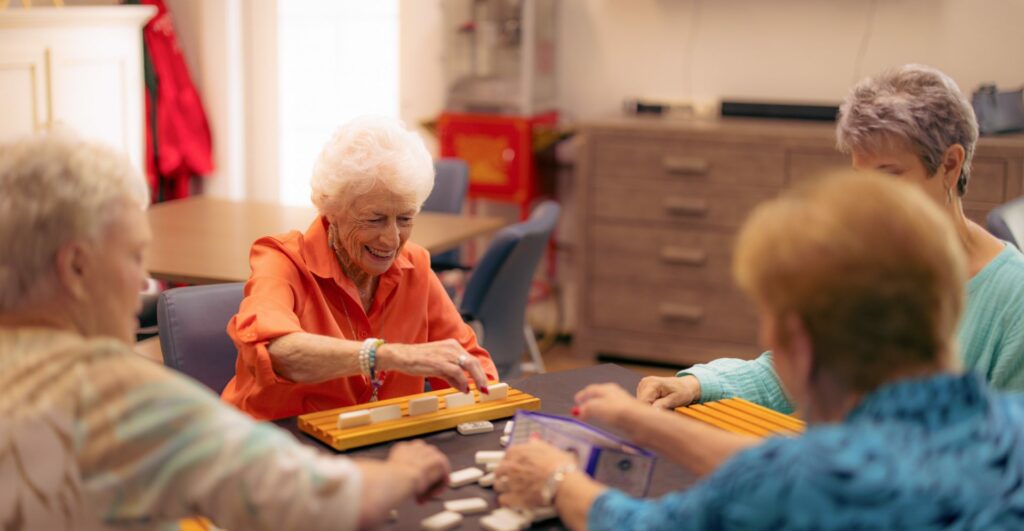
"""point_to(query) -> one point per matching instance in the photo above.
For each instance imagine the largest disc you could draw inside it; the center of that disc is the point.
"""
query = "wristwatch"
(550, 488)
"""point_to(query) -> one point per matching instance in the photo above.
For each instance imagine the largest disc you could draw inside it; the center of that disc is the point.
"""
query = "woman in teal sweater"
(914, 123)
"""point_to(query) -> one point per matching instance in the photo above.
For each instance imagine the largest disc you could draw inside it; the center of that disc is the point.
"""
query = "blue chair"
(192, 323)
(497, 291)
(451, 183)
(1006, 222)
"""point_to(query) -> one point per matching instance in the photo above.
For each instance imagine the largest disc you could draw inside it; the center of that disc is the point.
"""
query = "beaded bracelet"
(368, 364)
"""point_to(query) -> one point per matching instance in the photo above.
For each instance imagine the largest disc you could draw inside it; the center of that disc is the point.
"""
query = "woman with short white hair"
(94, 436)
(349, 311)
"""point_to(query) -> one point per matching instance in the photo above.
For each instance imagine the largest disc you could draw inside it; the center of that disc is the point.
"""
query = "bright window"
(337, 59)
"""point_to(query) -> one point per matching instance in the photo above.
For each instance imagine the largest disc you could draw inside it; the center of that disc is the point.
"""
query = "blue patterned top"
(935, 453)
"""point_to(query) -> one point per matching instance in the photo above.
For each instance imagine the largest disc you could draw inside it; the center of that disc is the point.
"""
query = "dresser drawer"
(660, 256)
(803, 165)
(722, 314)
(629, 158)
(988, 181)
(697, 204)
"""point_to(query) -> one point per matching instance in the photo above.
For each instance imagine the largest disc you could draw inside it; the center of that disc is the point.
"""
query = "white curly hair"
(55, 188)
(916, 104)
(368, 152)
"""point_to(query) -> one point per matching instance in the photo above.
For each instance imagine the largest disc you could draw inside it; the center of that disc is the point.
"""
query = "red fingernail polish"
(484, 390)
(575, 411)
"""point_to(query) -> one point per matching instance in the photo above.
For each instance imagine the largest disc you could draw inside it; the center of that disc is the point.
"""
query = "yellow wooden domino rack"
(323, 425)
(745, 418)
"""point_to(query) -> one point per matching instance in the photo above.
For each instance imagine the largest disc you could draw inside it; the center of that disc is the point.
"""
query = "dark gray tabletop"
(555, 391)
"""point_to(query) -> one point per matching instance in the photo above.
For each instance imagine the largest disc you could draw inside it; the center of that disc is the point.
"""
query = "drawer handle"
(685, 165)
(684, 256)
(681, 312)
(683, 206)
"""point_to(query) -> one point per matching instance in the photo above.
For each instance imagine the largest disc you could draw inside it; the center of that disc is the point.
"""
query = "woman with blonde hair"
(912, 123)
(860, 311)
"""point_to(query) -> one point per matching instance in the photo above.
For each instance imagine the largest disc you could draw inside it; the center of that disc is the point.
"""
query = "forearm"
(692, 444)
(753, 380)
(310, 358)
(575, 497)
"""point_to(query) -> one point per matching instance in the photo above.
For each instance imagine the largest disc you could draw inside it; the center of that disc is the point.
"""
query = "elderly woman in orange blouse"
(350, 311)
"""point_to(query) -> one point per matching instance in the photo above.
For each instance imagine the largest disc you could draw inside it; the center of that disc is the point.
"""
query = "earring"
(949, 195)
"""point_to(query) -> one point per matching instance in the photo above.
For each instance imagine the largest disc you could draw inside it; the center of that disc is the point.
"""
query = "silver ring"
(462, 360)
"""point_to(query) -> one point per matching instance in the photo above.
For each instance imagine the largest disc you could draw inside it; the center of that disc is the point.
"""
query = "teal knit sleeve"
(753, 380)
(1008, 365)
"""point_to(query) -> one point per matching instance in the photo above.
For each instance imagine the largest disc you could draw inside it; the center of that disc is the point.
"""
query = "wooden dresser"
(660, 202)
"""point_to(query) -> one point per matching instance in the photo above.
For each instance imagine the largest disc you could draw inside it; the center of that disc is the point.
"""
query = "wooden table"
(206, 241)
(555, 390)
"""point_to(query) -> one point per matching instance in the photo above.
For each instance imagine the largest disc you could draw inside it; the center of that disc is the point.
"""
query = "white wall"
(767, 49)
(613, 49)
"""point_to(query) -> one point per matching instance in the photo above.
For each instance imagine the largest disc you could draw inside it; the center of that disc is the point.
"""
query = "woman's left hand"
(525, 470)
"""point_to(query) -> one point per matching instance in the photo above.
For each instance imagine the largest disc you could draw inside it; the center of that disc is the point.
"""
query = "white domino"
(466, 505)
(385, 413)
(459, 400)
(464, 477)
(441, 521)
(495, 392)
(473, 428)
(422, 405)
(539, 514)
(509, 426)
(504, 519)
(503, 440)
(491, 467)
(497, 523)
(483, 457)
(487, 481)
(353, 419)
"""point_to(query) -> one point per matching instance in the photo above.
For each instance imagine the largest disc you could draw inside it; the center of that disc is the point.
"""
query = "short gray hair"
(914, 103)
(55, 188)
(367, 152)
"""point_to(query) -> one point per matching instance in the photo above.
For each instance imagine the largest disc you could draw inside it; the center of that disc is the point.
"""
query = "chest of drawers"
(659, 205)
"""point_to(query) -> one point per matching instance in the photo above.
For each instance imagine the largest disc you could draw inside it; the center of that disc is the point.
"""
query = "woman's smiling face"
(370, 233)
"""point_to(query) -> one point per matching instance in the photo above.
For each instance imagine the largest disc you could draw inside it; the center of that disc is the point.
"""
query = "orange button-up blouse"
(297, 285)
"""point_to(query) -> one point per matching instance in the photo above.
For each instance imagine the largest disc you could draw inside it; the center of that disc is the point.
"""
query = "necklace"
(344, 306)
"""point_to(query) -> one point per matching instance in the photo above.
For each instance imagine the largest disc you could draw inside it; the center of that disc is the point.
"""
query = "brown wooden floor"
(560, 357)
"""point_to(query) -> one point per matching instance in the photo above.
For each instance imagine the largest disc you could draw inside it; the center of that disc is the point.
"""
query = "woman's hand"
(445, 359)
(669, 392)
(429, 467)
(525, 470)
(412, 470)
(606, 403)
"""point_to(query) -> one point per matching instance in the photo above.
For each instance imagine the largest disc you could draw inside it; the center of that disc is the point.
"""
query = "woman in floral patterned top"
(93, 436)
(860, 310)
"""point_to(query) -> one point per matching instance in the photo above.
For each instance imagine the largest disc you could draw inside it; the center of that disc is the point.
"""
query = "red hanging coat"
(182, 147)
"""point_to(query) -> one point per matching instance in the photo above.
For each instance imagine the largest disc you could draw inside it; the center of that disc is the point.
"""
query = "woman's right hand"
(439, 359)
(669, 392)
(412, 470)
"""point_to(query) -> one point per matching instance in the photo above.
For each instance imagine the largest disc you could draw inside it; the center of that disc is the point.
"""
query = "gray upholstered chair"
(1006, 222)
(499, 288)
(193, 336)
(451, 183)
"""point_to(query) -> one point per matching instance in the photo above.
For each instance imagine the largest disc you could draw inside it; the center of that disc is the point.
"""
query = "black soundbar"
(791, 111)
